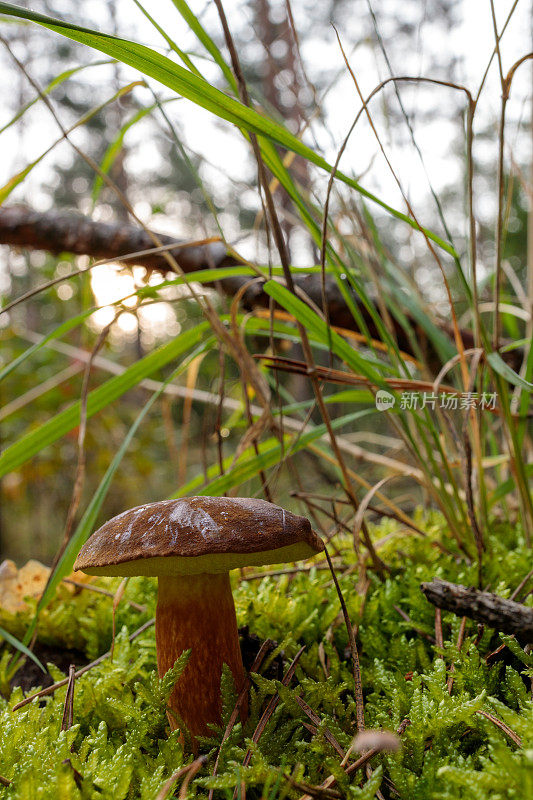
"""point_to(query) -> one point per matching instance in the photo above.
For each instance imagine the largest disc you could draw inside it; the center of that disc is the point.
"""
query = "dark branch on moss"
(489, 609)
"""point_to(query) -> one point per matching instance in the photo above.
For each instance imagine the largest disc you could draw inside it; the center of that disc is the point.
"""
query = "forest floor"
(457, 695)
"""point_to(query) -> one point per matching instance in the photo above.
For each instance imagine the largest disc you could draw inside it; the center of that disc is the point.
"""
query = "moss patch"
(119, 746)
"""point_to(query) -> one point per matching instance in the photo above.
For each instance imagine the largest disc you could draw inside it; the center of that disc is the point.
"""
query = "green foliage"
(120, 747)
(119, 742)
(458, 743)
(81, 619)
(98, 399)
(431, 446)
(197, 89)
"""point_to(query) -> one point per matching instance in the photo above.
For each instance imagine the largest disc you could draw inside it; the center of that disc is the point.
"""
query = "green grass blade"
(17, 179)
(507, 373)
(88, 520)
(21, 647)
(318, 327)
(54, 83)
(202, 276)
(116, 145)
(508, 486)
(270, 453)
(62, 329)
(37, 439)
(524, 396)
(171, 43)
(201, 34)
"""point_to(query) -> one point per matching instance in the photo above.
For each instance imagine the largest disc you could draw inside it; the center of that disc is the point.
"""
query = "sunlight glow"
(111, 283)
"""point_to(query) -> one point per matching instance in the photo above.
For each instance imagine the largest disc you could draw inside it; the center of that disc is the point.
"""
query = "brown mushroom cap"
(197, 535)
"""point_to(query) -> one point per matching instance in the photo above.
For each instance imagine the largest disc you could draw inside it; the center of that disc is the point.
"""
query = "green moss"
(119, 745)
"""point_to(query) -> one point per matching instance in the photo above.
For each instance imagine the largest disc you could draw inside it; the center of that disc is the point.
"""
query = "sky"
(472, 44)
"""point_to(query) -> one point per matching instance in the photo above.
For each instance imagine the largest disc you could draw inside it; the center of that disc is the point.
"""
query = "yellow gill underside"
(195, 565)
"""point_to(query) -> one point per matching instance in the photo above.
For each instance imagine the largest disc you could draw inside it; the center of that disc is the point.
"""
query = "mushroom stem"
(197, 612)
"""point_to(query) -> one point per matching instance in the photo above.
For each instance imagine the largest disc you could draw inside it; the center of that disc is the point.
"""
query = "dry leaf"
(28, 581)
(16, 584)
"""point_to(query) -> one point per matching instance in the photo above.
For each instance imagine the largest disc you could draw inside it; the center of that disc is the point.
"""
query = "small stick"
(521, 585)
(361, 762)
(116, 602)
(68, 710)
(313, 716)
(502, 726)
(439, 639)
(489, 609)
(267, 645)
(101, 590)
(313, 791)
(273, 573)
(358, 684)
(495, 653)
(403, 518)
(408, 619)
(271, 707)
(269, 710)
(189, 771)
(5, 781)
(460, 640)
(78, 777)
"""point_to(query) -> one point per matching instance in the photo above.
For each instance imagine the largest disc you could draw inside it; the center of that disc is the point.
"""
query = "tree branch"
(68, 232)
(502, 615)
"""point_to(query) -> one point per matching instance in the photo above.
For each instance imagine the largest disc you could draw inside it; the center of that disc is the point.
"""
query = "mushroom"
(190, 545)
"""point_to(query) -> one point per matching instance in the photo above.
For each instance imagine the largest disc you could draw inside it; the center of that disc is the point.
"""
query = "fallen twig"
(502, 726)
(364, 759)
(100, 590)
(439, 639)
(460, 640)
(489, 609)
(188, 771)
(68, 710)
(57, 232)
(313, 716)
(252, 576)
(271, 707)
(267, 645)
(312, 791)
(521, 585)
(267, 713)
(408, 619)
(358, 684)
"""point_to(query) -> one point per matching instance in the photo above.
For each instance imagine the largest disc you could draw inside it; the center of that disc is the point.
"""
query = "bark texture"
(58, 231)
(502, 615)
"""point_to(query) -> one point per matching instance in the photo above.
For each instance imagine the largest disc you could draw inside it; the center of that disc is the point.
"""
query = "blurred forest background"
(191, 176)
